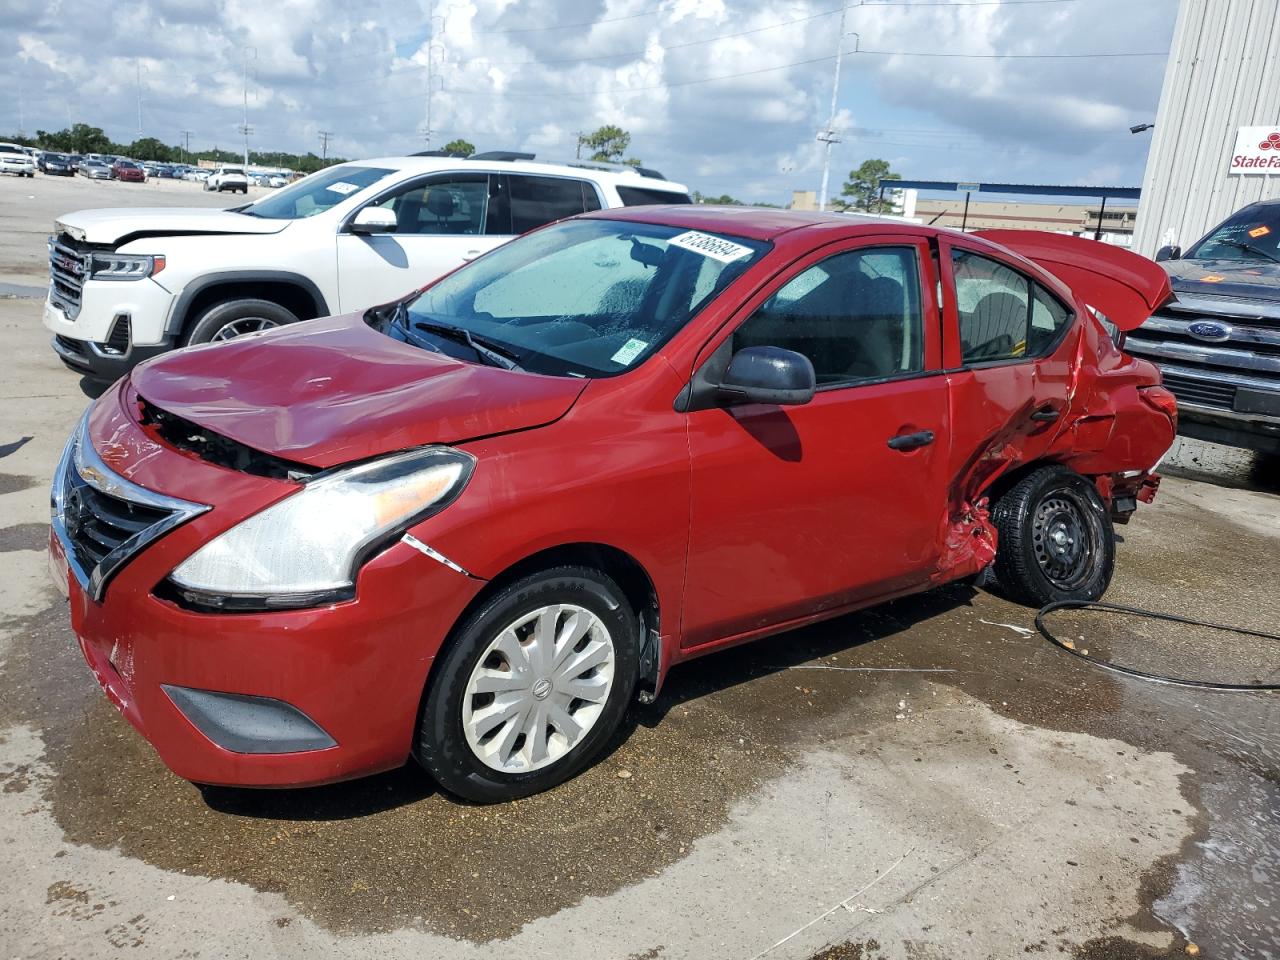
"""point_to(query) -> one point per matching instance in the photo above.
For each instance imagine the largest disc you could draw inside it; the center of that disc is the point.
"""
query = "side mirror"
(373, 220)
(1168, 253)
(768, 375)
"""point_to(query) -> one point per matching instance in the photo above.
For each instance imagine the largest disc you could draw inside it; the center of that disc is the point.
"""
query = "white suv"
(127, 284)
(228, 178)
(15, 159)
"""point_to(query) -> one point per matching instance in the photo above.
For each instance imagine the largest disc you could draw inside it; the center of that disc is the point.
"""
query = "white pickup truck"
(128, 284)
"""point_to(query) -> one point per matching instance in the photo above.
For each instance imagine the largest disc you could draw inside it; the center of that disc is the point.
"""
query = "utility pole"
(829, 135)
(428, 131)
(578, 135)
(137, 63)
(324, 144)
(186, 137)
(245, 129)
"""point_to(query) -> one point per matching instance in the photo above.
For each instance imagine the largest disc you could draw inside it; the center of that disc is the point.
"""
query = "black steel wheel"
(1056, 541)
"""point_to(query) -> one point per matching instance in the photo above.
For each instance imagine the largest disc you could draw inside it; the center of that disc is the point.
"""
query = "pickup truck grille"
(68, 269)
(1231, 366)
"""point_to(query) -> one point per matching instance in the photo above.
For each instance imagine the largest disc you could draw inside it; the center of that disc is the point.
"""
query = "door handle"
(910, 441)
(1045, 414)
(470, 255)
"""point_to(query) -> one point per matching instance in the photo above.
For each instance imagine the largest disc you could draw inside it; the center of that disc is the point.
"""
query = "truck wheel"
(234, 318)
(1056, 541)
(531, 687)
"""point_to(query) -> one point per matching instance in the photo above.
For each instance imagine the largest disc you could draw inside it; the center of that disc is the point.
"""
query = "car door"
(441, 221)
(799, 510)
(1010, 361)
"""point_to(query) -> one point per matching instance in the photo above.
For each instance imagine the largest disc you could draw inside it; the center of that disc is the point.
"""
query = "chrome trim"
(1217, 377)
(1239, 333)
(1242, 308)
(80, 456)
(1206, 353)
(436, 555)
(66, 287)
(1227, 414)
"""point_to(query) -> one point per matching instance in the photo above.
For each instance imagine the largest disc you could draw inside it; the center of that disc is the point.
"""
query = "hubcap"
(238, 328)
(538, 688)
(1064, 539)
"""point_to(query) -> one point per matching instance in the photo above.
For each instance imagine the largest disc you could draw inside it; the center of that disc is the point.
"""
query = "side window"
(1048, 317)
(855, 315)
(994, 304)
(456, 205)
(539, 200)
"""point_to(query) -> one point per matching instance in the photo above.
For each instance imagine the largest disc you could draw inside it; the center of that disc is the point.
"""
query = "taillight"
(1159, 398)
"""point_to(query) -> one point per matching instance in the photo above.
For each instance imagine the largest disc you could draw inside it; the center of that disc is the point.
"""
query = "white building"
(1219, 104)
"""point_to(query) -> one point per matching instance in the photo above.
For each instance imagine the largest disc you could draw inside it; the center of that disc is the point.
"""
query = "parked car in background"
(472, 526)
(56, 165)
(1218, 342)
(342, 239)
(275, 180)
(228, 178)
(14, 159)
(128, 171)
(95, 170)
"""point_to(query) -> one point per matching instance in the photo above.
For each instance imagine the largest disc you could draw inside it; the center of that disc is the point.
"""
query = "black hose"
(1168, 618)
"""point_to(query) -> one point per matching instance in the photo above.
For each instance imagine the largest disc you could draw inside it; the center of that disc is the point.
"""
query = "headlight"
(124, 266)
(305, 550)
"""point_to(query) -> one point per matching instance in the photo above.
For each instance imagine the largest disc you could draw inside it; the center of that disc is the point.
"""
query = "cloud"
(726, 95)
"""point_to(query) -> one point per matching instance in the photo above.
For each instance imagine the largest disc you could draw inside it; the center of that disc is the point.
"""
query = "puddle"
(12, 482)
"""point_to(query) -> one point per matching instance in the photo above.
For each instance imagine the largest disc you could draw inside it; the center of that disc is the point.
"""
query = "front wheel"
(1056, 541)
(531, 686)
(235, 318)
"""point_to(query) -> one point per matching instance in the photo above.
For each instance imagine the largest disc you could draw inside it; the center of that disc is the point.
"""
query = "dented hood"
(1125, 287)
(117, 225)
(331, 391)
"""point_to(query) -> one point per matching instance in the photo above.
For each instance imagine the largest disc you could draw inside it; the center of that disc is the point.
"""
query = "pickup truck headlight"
(305, 550)
(124, 266)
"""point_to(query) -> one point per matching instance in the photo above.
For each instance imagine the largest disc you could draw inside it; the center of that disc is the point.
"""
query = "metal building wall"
(1223, 73)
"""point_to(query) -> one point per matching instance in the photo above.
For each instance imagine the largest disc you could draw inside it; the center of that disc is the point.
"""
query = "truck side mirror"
(1168, 253)
(373, 220)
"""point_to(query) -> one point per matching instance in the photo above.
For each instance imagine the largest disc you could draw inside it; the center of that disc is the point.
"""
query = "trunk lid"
(327, 392)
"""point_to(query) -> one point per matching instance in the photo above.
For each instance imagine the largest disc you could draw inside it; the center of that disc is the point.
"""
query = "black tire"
(212, 321)
(442, 746)
(1056, 540)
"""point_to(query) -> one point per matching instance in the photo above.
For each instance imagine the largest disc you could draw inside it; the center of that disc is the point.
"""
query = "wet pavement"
(926, 779)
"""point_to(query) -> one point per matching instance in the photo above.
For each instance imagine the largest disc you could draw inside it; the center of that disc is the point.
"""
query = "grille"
(103, 520)
(1206, 394)
(72, 346)
(68, 264)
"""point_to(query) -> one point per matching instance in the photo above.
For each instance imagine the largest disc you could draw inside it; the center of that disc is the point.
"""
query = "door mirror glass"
(768, 375)
(1168, 253)
(373, 220)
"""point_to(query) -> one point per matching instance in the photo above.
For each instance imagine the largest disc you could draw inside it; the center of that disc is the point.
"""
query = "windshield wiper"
(1249, 248)
(487, 350)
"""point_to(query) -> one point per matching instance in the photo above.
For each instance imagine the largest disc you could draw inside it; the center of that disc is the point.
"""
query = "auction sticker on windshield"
(717, 248)
(343, 187)
(629, 351)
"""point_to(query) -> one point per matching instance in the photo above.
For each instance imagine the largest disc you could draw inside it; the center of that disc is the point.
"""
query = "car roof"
(757, 223)
(586, 170)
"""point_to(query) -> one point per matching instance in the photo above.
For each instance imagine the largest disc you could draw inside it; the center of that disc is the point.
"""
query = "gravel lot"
(923, 780)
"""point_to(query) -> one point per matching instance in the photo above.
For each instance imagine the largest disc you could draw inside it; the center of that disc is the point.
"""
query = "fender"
(181, 307)
(1125, 287)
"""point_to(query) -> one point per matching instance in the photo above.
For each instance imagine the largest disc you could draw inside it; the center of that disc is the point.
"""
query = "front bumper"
(1237, 409)
(117, 325)
(355, 671)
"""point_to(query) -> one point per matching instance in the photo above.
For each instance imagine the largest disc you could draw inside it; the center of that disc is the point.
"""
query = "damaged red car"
(471, 526)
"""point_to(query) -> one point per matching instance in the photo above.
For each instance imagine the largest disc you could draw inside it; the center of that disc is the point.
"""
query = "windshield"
(1249, 234)
(585, 298)
(316, 193)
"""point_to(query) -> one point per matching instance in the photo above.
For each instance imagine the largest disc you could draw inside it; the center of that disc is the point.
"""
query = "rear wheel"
(1056, 541)
(235, 318)
(531, 686)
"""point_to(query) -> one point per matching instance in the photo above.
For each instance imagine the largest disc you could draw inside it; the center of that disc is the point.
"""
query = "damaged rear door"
(801, 509)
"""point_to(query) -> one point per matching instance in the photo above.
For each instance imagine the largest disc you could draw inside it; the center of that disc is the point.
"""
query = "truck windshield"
(585, 298)
(316, 193)
(1249, 234)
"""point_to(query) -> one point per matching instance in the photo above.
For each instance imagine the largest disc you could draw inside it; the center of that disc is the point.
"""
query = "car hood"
(331, 391)
(1252, 279)
(116, 225)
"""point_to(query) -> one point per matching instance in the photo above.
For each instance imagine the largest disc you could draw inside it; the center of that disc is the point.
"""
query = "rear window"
(540, 200)
(644, 196)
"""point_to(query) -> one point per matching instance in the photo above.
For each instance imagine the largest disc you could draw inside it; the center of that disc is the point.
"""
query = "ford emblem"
(1210, 330)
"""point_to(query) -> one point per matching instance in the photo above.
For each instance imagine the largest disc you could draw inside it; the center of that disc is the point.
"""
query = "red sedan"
(129, 171)
(471, 526)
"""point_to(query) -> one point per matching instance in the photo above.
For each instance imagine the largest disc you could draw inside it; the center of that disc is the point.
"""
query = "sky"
(726, 96)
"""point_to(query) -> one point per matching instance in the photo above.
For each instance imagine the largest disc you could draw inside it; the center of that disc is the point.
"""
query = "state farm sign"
(1257, 150)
